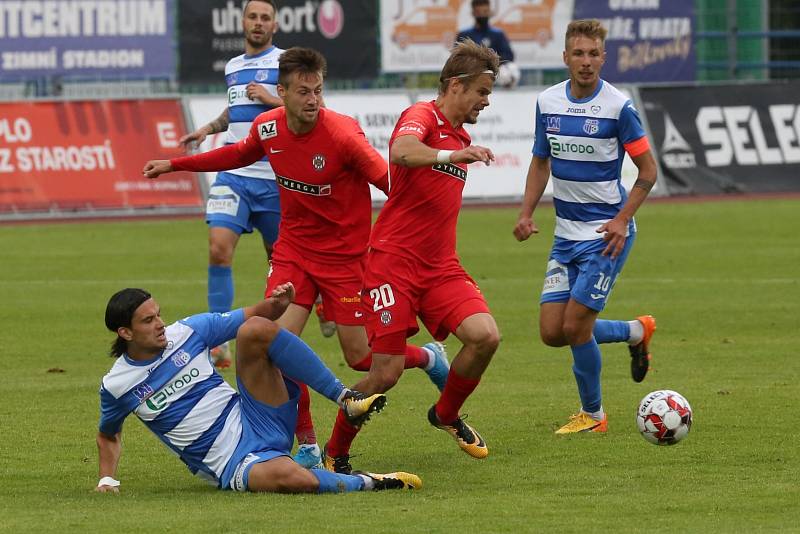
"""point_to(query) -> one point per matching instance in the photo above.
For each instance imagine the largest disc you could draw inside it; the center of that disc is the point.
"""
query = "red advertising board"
(88, 155)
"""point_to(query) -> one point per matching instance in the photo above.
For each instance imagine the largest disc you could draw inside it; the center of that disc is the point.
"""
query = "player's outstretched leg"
(358, 407)
(398, 480)
(640, 353)
(466, 437)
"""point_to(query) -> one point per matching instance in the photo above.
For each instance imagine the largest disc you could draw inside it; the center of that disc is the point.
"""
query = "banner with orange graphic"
(416, 35)
(87, 157)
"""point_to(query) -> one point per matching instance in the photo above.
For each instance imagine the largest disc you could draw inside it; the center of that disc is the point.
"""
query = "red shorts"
(338, 283)
(397, 290)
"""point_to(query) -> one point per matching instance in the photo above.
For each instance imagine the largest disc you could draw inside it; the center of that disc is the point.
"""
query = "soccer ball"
(508, 75)
(664, 417)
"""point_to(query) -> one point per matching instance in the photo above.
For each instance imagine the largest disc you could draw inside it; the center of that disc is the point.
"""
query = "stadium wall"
(83, 158)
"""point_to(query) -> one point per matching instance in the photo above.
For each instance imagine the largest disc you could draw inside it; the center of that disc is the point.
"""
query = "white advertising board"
(506, 127)
(416, 35)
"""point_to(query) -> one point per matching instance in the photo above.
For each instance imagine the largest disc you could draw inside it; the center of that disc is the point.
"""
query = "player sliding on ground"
(238, 441)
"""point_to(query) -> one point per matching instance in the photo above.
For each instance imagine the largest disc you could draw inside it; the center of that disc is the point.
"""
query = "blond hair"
(591, 28)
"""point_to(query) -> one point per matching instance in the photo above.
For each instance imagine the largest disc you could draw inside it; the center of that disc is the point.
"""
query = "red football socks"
(304, 430)
(454, 395)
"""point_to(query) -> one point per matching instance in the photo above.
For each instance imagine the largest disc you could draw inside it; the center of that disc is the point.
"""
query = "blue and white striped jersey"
(179, 395)
(239, 71)
(586, 141)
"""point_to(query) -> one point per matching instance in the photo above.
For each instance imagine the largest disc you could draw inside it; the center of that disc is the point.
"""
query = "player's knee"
(384, 378)
(256, 330)
(552, 337)
(358, 359)
(576, 332)
(485, 339)
(219, 253)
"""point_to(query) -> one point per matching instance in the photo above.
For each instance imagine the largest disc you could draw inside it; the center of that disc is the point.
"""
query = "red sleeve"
(415, 121)
(245, 152)
(367, 161)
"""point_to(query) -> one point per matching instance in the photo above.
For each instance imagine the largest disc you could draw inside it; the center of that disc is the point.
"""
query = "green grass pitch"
(722, 279)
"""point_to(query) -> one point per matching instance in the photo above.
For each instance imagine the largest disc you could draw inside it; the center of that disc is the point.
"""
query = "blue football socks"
(611, 331)
(297, 361)
(586, 367)
(220, 288)
(337, 482)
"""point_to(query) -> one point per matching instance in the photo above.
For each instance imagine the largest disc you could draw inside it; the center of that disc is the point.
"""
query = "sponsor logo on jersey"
(386, 317)
(591, 126)
(318, 162)
(159, 401)
(413, 127)
(554, 124)
(596, 109)
(323, 190)
(350, 300)
(267, 130)
(577, 111)
(142, 391)
(181, 358)
(558, 148)
(452, 170)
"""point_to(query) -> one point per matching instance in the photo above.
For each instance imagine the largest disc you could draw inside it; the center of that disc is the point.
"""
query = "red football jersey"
(323, 178)
(419, 219)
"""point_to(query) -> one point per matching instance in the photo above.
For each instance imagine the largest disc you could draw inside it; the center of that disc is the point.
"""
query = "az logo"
(267, 130)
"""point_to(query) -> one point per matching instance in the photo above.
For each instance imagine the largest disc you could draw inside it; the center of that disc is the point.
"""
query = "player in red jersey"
(412, 266)
(323, 164)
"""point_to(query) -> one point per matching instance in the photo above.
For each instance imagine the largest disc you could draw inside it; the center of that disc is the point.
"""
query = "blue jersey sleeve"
(112, 413)
(541, 148)
(216, 328)
(629, 124)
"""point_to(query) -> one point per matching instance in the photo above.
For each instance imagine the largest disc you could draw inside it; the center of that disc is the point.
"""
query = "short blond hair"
(591, 28)
(467, 61)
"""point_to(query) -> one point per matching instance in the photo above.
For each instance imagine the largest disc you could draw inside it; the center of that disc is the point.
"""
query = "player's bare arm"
(535, 182)
(156, 167)
(220, 124)
(409, 151)
(256, 91)
(274, 306)
(109, 449)
(614, 230)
